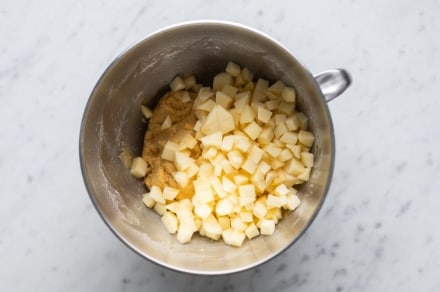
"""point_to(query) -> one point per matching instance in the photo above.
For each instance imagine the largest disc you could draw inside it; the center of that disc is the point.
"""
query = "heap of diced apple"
(255, 148)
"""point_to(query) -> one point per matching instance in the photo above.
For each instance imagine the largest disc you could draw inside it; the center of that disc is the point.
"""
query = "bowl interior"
(112, 122)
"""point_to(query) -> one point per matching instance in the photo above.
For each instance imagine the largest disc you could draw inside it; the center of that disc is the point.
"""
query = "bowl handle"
(333, 82)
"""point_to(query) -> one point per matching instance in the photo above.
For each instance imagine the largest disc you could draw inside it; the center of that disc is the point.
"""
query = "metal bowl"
(112, 121)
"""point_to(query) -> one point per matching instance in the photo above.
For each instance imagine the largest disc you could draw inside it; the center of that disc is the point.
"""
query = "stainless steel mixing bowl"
(112, 121)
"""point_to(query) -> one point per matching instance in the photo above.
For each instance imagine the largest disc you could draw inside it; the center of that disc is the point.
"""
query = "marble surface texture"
(377, 230)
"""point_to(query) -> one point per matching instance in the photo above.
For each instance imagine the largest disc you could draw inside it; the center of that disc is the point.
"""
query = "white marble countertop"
(377, 230)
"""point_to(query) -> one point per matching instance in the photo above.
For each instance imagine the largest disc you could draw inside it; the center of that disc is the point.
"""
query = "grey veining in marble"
(377, 230)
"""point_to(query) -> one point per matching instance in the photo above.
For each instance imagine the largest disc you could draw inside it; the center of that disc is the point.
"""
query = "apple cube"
(139, 167)
(247, 114)
(288, 94)
(211, 225)
(223, 99)
(277, 87)
(233, 237)
(253, 130)
(224, 207)
(306, 138)
(221, 80)
(146, 112)
(233, 69)
(156, 194)
(294, 167)
(267, 227)
(289, 138)
(292, 202)
(148, 201)
(251, 231)
(177, 84)
(169, 193)
(260, 89)
(219, 119)
(263, 115)
(307, 159)
(182, 161)
(169, 151)
(207, 106)
(242, 99)
(273, 201)
(259, 209)
(227, 143)
(214, 139)
(170, 221)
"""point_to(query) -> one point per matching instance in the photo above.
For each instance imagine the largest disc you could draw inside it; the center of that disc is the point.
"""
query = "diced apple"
(259, 209)
(288, 94)
(289, 138)
(292, 123)
(186, 97)
(273, 201)
(177, 84)
(202, 210)
(214, 139)
(182, 161)
(242, 144)
(267, 227)
(260, 88)
(189, 81)
(272, 104)
(211, 225)
(227, 143)
(139, 167)
(238, 224)
(247, 115)
(253, 130)
(169, 193)
(146, 112)
(219, 119)
(233, 69)
(307, 159)
(279, 118)
(233, 237)
(184, 233)
(305, 176)
(296, 150)
(303, 121)
(160, 208)
(292, 202)
(263, 115)
(148, 201)
(218, 187)
(247, 74)
(207, 106)
(169, 151)
(205, 93)
(294, 167)
(306, 138)
(280, 130)
(224, 222)
(242, 99)
(285, 155)
(265, 136)
(281, 190)
(230, 91)
(156, 194)
(251, 231)
(222, 79)
(223, 99)
(277, 87)
(246, 216)
(170, 221)
(249, 166)
(273, 150)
